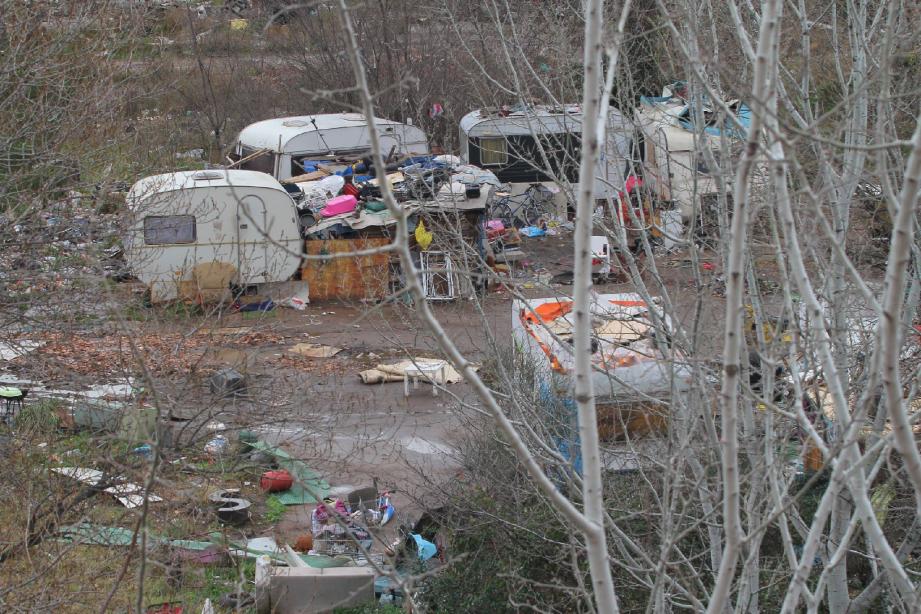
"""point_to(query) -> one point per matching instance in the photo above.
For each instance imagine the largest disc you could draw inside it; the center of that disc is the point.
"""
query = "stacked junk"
(352, 550)
(264, 230)
(307, 186)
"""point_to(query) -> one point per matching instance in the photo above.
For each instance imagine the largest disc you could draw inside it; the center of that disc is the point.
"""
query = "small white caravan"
(242, 223)
(282, 143)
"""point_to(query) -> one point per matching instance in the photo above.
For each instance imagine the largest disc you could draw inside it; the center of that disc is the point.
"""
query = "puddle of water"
(423, 446)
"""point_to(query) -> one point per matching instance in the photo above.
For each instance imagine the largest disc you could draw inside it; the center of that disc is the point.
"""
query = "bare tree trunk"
(591, 522)
(593, 128)
(890, 339)
(763, 93)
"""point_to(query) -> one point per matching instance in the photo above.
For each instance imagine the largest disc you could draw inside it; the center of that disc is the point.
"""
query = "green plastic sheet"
(308, 485)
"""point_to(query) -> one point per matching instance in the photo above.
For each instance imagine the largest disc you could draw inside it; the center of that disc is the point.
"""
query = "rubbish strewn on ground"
(128, 494)
(314, 350)
(308, 486)
(10, 351)
(230, 508)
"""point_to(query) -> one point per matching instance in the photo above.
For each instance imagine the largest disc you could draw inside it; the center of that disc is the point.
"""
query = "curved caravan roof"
(187, 180)
(321, 134)
(191, 233)
(535, 120)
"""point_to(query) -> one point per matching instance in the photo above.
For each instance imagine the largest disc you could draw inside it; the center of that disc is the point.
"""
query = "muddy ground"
(318, 409)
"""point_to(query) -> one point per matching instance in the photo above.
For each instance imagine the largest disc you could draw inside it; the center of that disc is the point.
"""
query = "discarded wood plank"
(251, 156)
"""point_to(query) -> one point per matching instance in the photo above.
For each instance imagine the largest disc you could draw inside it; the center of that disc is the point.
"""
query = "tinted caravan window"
(167, 229)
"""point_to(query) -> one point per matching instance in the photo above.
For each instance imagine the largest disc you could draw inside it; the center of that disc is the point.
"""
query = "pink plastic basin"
(339, 205)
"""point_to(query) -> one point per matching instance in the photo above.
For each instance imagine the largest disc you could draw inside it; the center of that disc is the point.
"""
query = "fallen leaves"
(66, 354)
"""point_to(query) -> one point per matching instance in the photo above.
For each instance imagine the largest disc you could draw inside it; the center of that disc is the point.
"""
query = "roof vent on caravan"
(295, 123)
(207, 175)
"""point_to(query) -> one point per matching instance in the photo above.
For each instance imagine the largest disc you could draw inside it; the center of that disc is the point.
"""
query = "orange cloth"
(548, 312)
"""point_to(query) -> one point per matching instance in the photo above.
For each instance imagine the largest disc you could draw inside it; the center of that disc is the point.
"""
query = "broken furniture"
(302, 590)
(428, 370)
(396, 372)
(12, 398)
(438, 276)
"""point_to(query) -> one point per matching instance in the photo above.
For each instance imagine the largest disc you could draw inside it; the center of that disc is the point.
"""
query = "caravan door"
(253, 261)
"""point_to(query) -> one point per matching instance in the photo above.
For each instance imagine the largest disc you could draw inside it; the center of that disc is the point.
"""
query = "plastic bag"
(423, 237)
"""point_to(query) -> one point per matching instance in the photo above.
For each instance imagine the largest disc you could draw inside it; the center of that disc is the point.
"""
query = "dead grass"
(63, 577)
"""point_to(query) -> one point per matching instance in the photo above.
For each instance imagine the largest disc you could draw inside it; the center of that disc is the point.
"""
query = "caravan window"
(493, 151)
(166, 229)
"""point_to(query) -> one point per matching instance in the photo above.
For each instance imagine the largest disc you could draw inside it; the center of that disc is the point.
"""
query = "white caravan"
(675, 166)
(241, 224)
(286, 141)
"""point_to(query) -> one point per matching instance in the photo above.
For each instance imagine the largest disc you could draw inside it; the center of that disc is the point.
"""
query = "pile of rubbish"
(353, 549)
(682, 111)
(348, 192)
(630, 339)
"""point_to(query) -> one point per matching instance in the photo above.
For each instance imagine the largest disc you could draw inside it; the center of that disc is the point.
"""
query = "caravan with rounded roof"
(278, 146)
(194, 232)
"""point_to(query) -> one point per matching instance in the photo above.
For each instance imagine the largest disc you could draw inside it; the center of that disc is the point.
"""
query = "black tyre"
(502, 211)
